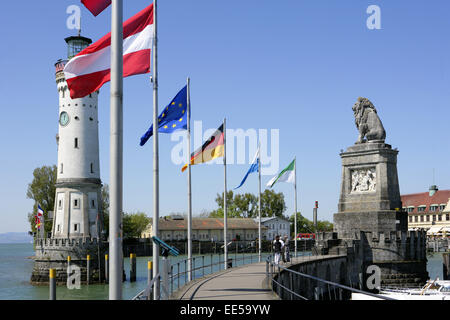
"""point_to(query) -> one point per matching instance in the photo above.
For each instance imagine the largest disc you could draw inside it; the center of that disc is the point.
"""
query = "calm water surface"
(16, 267)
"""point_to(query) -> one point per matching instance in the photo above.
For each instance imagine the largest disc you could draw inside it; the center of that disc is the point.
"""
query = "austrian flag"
(91, 68)
(96, 6)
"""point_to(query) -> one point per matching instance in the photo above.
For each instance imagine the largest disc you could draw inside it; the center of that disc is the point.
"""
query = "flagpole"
(295, 207)
(189, 218)
(259, 205)
(225, 212)
(116, 152)
(155, 155)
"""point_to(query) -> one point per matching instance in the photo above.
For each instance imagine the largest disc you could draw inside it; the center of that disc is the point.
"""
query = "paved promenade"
(247, 282)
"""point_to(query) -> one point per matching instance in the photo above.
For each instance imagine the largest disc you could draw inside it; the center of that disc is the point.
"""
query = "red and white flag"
(96, 6)
(91, 68)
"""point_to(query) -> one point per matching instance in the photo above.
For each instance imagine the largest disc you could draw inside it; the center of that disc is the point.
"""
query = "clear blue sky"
(297, 66)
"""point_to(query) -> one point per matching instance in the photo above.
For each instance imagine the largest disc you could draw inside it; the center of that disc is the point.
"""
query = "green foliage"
(246, 205)
(307, 226)
(42, 191)
(134, 224)
(105, 209)
(272, 204)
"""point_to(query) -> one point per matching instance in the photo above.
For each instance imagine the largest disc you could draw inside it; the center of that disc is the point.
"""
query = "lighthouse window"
(93, 204)
(92, 167)
(76, 118)
(60, 204)
(75, 227)
(76, 203)
(61, 169)
(59, 228)
(76, 142)
(90, 118)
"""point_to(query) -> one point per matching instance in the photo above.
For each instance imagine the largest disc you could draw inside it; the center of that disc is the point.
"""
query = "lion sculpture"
(367, 121)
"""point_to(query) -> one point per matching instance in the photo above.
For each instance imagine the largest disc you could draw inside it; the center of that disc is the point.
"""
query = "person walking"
(277, 249)
(286, 255)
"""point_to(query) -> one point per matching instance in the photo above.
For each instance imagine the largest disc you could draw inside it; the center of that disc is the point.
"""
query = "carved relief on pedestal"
(363, 180)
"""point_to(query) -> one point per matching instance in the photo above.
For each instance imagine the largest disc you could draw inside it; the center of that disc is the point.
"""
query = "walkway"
(246, 282)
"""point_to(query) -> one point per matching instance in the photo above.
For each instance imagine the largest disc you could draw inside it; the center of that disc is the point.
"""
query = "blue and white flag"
(253, 168)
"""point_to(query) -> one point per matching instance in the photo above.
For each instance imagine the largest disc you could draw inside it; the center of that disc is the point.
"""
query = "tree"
(42, 191)
(134, 224)
(105, 209)
(246, 205)
(307, 226)
(272, 204)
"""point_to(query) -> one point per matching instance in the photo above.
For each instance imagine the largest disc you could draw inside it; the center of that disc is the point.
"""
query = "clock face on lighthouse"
(64, 118)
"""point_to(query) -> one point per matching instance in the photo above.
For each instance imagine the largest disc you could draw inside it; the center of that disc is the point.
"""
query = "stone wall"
(53, 253)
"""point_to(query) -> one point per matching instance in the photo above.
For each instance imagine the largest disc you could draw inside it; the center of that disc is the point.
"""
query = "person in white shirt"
(278, 245)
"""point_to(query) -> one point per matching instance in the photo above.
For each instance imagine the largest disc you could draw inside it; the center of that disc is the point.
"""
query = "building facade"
(206, 229)
(276, 226)
(428, 210)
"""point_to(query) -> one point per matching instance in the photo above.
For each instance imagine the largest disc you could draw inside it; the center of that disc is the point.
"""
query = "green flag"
(287, 175)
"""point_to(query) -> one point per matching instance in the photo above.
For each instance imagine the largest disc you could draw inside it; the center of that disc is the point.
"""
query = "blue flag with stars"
(172, 118)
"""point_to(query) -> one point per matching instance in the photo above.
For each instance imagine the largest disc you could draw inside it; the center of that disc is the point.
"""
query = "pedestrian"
(277, 249)
(287, 255)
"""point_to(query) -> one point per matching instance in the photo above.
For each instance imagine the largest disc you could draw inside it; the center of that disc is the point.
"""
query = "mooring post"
(106, 269)
(88, 269)
(52, 284)
(149, 277)
(132, 267)
(68, 263)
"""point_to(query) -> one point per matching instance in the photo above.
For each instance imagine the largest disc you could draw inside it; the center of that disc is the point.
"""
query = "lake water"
(16, 267)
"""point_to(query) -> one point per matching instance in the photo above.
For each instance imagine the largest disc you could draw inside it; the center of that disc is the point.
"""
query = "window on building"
(439, 217)
(59, 204)
(61, 169)
(416, 218)
(76, 227)
(410, 218)
(428, 218)
(421, 209)
(92, 203)
(442, 207)
(447, 216)
(421, 218)
(76, 203)
(58, 228)
(434, 217)
(410, 209)
(92, 167)
(433, 208)
(76, 143)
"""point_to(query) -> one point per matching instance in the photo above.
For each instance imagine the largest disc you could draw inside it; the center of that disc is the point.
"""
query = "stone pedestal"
(370, 219)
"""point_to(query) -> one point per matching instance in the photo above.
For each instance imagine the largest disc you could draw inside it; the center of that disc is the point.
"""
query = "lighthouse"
(78, 184)
(77, 222)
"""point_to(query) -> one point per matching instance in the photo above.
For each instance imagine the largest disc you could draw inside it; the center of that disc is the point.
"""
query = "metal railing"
(322, 289)
(201, 266)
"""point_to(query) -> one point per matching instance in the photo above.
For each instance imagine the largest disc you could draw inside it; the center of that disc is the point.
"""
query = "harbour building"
(428, 210)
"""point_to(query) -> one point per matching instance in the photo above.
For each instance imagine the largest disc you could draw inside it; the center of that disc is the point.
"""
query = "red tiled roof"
(208, 224)
(424, 199)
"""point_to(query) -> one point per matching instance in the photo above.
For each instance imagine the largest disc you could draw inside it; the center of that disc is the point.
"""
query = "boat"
(432, 290)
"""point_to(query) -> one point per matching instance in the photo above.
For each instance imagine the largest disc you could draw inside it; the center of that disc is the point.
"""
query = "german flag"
(211, 149)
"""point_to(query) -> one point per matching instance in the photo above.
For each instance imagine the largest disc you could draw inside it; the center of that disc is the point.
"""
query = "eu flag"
(172, 118)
